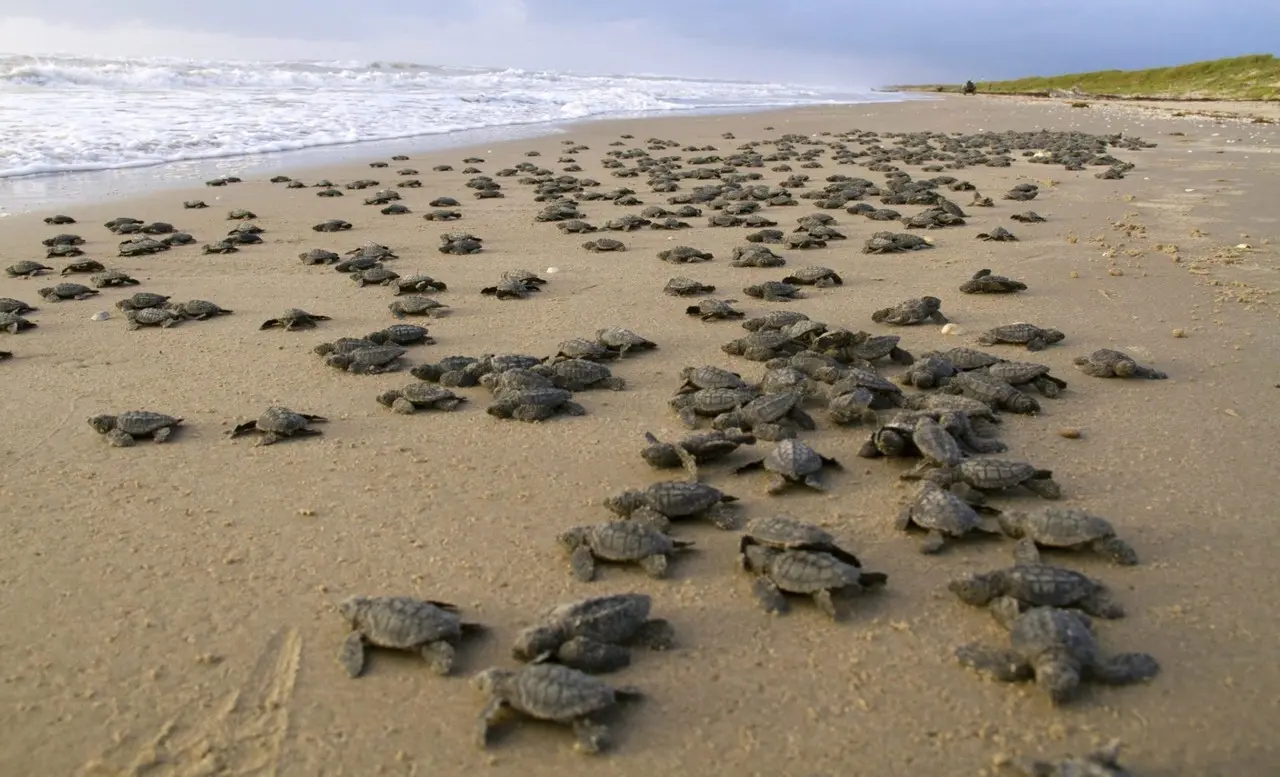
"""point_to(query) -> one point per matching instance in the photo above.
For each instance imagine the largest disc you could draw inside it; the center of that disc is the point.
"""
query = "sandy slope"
(169, 609)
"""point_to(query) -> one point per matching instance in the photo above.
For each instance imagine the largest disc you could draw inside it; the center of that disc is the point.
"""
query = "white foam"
(73, 114)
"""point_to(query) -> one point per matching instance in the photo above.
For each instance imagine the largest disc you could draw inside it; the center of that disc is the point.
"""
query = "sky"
(821, 42)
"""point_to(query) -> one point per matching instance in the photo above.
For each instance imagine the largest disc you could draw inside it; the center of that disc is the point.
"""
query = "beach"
(171, 608)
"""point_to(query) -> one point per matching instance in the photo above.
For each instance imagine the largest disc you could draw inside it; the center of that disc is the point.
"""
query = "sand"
(170, 609)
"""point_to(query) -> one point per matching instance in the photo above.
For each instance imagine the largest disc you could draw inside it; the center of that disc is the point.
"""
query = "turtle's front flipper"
(655, 565)
(352, 654)
(654, 634)
(1026, 552)
(582, 564)
(1002, 665)
(439, 656)
(590, 736)
(770, 598)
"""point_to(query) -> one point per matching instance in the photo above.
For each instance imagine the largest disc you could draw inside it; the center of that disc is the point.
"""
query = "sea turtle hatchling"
(111, 278)
(15, 306)
(425, 627)
(1028, 217)
(417, 305)
(420, 396)
(197, 309)
(1102, 762)
(83, 266)
(994, 391)
(1108, 363)
(594, 634)
(332, 225)
(771, 417)
(712, 309)
(708, 376)
(988, 474)
(142, 299)
(579, 375)
(65, 291)
(813, 275)
(918, 310)
(1069, 528)
(26, 269)
(535, 404)
(693, 449)
(623, 542)
(1056, 648)
(1023, 586)
(686, 287)
(551, 692)
(164, 318)
(763, 345)
(984, 282)
(814, 573)
(276, 423)
(401, 334)
(292, 319)
(689, 406)
(373, 360)
(944, 516)
(999, 235)
(1030, 335)
(623, 341)
(1018, 374)
(125, 429)
(14, 323)
(774, 291)
(63, 250)
(375, 276)
(604, 244)
(684, 255)
(784, 533)
(666, 501)
(792, 462)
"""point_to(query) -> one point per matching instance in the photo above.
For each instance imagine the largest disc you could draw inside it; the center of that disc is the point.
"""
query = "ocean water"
(74, 114)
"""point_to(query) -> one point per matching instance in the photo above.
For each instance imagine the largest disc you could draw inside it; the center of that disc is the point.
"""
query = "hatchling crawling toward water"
(814, 573)
(792, 462)
(755, 256)
(373, 360)
(1107, 363)
(6, 355)
(63, 250)
(442, 214)
(1103, 762)
(708, 376)
(712, 309)
(783, 533)
(15, 306)
(686, 287)
(551, 692)
(14, 323)
(332, 225)
(579, 375)
(604, 244)
(1021, 333)
(822, 277)
(994, 391)
(1023, 586)
(1068, 528)
(420, 396)
(418, 283)
(26, 269)
(763, 345)
(689, 406)
(417, 305)
(292, 319)
(197, 309)
(1056, 648)
(594, 634)
(999, 235)
(142, 299)
(944, 516)
(666, 501)
(425, 627)
(918, 310)
(65, 291)
(1027, 374)
(984, 282)
(59, 219)
(1028, 217)
(623, 341)
(375, 276)
(161, 317)
(537, 404)
(684, 255)
(401, 334)
(276, 423)
(987, 474)
(112, 278)
(125, 429)
(771, 417)
(693, 449)
(623, 542)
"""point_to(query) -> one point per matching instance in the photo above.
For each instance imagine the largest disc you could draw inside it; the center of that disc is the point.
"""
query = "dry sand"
(169, 609)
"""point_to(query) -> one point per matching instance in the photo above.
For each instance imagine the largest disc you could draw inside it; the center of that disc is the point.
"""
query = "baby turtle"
(817, 574)
(929, 371)
(686, 287)
(16, 306)
(715, 309)
(594, 634)
(401, 623)
(774, 291)
(783, 533)
(684, 255)
(125, 429)
(240, 214)
(161, 317)
(622, 341)
(198, 309)
(1103, 762)
(1027, 374)
(772, 417)
(374, 276)
(575, 226)
(673, 500)
(693, 449)
(995, 475)
(277, 423)
(14, 323)
(112, 278)
(604, 244)
(999, 235)
(62, 250)
(64, 291)
(418, 283)
(707, 377)
(536, 404)
(997, 393)
(1028, 217)
(59, 219)
(763, 345)
(292, 319)
(373, 360)
(944, 516)
(83, 266)
(417, 305)
(918, 310)
(580, 375)
(1056, 648)
(332, 225)
(625, 542)
(420, 396)
(792, 462)
(755, 256)
(983, 282)
(1023, 586)
(1064, 528)
(822, 277)
(1107, 363)
(401, 334)
(1030, 335)
(552, 692)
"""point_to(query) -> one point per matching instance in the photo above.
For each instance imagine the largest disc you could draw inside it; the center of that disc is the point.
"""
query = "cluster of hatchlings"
(949, 425)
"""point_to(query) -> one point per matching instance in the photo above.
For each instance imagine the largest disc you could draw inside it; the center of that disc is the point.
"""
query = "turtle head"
(624, 503)
(324, 349)
(103, 423)
(388, 397)
(491, 681)
(353, 607)
(1052, 336)
(754, 556)
(573, 538)
(342, 360)
(536, 641)
(974, 589)
(660, 454)
(1011, 522)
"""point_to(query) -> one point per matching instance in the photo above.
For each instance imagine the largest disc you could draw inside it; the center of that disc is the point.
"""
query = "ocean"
(62, 114)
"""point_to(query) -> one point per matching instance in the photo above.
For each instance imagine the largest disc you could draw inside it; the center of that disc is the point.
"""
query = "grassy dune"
(1253, 77)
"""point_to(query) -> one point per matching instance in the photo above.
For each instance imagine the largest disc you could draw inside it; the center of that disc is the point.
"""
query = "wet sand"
(170, 608)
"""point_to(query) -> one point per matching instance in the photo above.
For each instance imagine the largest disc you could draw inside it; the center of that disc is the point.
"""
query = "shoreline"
(176, 602)
(45, 190)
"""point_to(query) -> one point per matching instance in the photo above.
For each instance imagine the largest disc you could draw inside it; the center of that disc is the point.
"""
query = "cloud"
(839, 42)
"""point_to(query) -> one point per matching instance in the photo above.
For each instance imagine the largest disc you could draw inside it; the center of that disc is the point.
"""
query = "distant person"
(970, 88)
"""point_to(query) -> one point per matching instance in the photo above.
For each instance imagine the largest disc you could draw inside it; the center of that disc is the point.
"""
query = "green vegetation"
(1254, 77)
